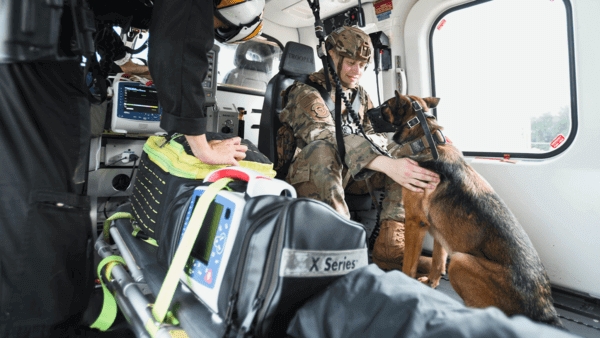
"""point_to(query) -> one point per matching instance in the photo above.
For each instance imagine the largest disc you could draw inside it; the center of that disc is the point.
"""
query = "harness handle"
(423, 120)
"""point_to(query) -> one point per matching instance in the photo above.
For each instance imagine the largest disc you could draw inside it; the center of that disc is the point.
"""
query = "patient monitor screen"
(140, 99)
(204, 242)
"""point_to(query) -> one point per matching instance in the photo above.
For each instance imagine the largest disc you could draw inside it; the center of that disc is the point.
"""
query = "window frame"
(572, 77)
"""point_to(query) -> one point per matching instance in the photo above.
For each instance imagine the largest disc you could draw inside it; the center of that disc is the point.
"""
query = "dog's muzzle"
(378, 121)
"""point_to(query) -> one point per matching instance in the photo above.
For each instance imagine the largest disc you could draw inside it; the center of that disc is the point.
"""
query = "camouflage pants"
(317, 172)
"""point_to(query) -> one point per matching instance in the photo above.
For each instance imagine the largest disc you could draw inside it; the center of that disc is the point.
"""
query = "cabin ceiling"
(297, 13)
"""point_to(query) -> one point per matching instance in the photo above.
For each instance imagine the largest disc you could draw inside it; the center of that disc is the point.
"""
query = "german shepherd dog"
(493, 262)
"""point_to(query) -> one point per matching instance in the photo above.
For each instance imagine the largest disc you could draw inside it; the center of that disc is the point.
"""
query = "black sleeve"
(181, 34)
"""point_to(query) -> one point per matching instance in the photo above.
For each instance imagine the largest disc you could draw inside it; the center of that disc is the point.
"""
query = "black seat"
(297, 60)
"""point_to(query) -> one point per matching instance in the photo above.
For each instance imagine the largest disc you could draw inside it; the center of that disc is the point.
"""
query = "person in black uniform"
(46, 272)
(182, 99)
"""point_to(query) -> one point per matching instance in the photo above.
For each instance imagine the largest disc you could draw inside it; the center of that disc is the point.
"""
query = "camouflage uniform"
(317, 171)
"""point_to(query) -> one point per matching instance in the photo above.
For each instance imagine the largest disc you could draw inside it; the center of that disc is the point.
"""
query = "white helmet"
(243, 18)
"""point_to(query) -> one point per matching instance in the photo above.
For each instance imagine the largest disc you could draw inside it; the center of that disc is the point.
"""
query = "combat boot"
(388, 251)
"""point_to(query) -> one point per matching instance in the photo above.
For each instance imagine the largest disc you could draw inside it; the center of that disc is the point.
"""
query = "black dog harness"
(421, 118)
(381, 125)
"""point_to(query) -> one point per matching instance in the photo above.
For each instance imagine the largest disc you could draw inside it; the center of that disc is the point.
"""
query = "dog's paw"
(433, 283)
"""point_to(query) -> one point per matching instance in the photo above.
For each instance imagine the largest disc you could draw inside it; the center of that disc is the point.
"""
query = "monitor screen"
(204, 242)
(140, 99)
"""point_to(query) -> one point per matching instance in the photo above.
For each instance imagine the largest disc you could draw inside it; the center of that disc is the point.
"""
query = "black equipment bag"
(286, 250)
(167, 171)
(373, 303)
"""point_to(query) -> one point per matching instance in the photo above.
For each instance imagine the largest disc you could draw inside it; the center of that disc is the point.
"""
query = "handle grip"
(258, 184)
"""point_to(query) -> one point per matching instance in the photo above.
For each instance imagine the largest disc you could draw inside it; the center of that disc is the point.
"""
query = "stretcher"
(361, 301)
(409, 310)
(132, 270)
(235, 262)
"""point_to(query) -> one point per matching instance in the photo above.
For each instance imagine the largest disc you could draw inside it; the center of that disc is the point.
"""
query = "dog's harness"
(381, 125)
(427, 140)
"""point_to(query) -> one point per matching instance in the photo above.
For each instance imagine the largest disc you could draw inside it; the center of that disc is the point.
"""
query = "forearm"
(405, 172)
(380, 163)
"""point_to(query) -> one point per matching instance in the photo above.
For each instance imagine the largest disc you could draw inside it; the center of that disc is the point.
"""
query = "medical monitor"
(135, 109)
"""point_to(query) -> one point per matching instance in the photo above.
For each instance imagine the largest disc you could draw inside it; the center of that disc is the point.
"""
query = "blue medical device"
(214, 243)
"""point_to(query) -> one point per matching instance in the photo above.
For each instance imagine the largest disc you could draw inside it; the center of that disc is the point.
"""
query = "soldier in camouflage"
(317, 171)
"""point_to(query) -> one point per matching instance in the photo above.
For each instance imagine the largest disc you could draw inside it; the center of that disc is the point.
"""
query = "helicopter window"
(249, 65)
(504, 71)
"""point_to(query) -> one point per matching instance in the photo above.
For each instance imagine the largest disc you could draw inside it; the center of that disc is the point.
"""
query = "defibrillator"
(219, 229)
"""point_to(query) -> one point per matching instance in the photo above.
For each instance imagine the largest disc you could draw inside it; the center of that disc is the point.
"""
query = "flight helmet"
(243, 18)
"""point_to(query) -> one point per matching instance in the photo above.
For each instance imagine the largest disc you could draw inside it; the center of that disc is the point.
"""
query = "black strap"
(327, 98)
(419, 110)
(339, 135)
(98, 81)
(337, 109)
(324, 94)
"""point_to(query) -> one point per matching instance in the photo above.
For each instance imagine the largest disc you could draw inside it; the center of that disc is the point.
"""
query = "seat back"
(297, 60)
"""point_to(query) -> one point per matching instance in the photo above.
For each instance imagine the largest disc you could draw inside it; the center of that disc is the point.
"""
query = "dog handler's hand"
(227, 152)
(405, 172)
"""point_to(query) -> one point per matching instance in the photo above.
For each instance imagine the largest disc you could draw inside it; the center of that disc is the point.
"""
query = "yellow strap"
(151, 241)
(109, 307)
(165, 295)
(117, 215)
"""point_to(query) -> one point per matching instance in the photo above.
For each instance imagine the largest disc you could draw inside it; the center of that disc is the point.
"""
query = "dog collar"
(417, 146)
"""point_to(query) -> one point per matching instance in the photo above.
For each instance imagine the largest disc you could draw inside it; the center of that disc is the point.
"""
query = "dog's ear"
(432, 102)
(399, 97)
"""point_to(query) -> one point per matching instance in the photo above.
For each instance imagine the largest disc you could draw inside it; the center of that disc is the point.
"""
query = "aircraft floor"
(579, 316)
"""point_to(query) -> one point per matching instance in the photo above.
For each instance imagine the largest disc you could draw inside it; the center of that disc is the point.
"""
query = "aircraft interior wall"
(556, 198)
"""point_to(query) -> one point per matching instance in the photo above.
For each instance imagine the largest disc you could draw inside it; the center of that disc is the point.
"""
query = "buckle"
(321, 49)
(413, 122)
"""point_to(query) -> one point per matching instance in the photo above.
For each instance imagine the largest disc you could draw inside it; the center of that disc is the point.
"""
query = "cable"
(135, 158)
(117, 161)
(351, 113)
(377, 62)
(105, 206)
(377, 228)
